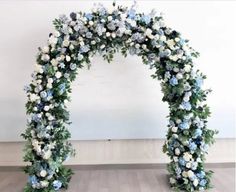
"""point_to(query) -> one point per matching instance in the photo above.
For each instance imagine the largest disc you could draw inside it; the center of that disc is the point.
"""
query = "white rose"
(52, 40)
(148, 33)
(43, 173)
(179, 76)
(178, 121)
(156, 26)
(172, 180)
(188, 165)
(176, 159)
(108, 34)
(45, 57)
(33, 97)
(44, 183)
(113, 35)
(186, 99)
(66, 43)
(187, 68)
(174, 129)
(54, 62)
(102, 46)
(68, 58)
(58, 75)
(190, 174)
(195, 182)
(46, 108)
(56, 33)
(91, 23)
(177, 151)
(187, 156)
(109, 18)
(47, 154)
(50, 80)
(185, 174)
(45, 49)
(144, 46)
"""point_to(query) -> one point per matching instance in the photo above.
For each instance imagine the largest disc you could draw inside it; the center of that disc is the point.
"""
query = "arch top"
(75, 40)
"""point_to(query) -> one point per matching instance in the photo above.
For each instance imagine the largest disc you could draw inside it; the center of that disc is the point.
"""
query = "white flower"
(144, 46)
(66, 43)
(44, 183)
(52, 40)
(177, 151)
(190, 174)
(174, 129)
(178, 121)
(171, 43)
(179, 76)
(176, 159)
(113, 35)
(187, 156)
(185, 174)
(109, 18)
(91, 23)
(108, 34)
(46, 108)
(163, 38)
(68, 58)
(148, 33)
(47, 154)
(45, 57)
(54, 62)
(172, 180)
(50, 80)
(58, 74)
(186, 99)
(43, 173)
(56, 34)
(33, 97)
(195, 182)
(156, 26)
(188, 165)
(102, 46)
(45, 49)
(187, 68)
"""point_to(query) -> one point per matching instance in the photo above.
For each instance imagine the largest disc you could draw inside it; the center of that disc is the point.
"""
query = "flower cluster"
(75, 40)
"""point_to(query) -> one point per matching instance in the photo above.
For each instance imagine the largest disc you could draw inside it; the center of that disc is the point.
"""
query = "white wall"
(117, 100)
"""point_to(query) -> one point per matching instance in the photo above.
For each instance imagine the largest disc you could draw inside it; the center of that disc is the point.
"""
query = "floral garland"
(75, 40)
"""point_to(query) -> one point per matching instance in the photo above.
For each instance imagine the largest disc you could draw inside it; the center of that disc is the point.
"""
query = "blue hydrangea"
(173, 81)
(192, 146)
(89, 16)
(203, 182)
(131, 14)
(62, 88)
(84, 49)
(33, 180)
(89, 35)
(197, 133)
(72, 66)
(57, 184)
(194, 165)
(178, 171)
(199, 82)
(184, 125)
(146, 19)
(186, 105)
(201, 174)
(35, 117)
(182, 161)
(43, 94)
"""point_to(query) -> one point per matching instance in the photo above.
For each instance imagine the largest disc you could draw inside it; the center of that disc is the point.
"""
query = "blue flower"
(62, 88)
(62, 65)
(194, 165)
(198, 82)
(57, 184)
(36, 118)
(182, 161)
(84, 49)
(89, 16)
(131, 13)
(184, 125)
(43, 94)
(178, 171)
(173, 81)
(146, 19)
(197, 133)
(33, 180)
(201, 174)
(203, 182)
(186, 105)
(27, 88)
(192, 146)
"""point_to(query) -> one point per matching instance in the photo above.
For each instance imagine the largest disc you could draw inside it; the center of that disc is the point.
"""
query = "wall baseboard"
(103, 152)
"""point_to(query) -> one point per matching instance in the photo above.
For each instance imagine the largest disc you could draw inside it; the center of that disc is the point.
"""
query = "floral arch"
(75, 40)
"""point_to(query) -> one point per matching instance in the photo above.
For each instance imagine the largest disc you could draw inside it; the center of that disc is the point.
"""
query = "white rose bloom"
(179, 76)
(39, 68)
(187, 156)
(148, 33)
(68, 58)
(56, 34)
(66, 43)
(188, 165)
(176, 69)
(58, 75)
(178, 121)
(102, 46)
(46, 108)
(108, 34)
(187, 68)
(47, 154)
(54, 62)
(43, 173)
(50, 80)
(45, 57)
(172, 180)
(185, 174)
(177, 151)
(186, 99)
(109, 18)
(44, 183)
(33, 97)
(91, 23)
(195, 182)
(190, 174)
(45, 49)
(49, 85)
(93, 42)
(113, 35)
(156, 26)
(52, 40)
(163, 38)
(174, 129)
(50, 118)
(144, 46)
(176, 159)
